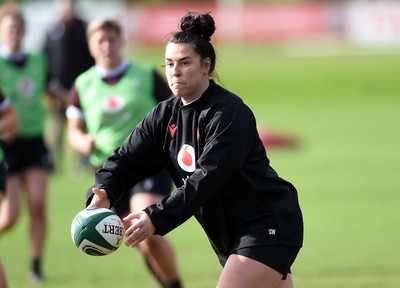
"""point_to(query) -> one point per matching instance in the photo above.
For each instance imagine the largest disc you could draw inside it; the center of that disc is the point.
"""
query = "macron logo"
(172, 129)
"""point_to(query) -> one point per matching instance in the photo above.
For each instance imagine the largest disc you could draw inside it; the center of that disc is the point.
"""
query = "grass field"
(344, 108)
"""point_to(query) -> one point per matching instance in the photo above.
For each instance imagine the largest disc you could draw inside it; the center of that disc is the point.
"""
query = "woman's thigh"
(36, 182)
(243, 272)
(10, 205)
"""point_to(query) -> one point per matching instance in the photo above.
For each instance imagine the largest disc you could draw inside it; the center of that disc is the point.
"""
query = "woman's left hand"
(141, 229)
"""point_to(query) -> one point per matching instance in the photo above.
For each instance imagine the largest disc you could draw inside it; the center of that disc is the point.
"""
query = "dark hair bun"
(201, 24)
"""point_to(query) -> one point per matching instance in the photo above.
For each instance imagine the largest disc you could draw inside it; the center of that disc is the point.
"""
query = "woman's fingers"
(140, 230)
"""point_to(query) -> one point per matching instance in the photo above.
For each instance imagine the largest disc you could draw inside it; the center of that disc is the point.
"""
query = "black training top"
(216, 159)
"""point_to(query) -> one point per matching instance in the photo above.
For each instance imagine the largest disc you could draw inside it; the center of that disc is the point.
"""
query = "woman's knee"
(150, 244)
(8, 219)
(37, 210)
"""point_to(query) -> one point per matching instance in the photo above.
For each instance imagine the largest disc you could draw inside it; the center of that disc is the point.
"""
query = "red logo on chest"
(172, 129)
(186, 158)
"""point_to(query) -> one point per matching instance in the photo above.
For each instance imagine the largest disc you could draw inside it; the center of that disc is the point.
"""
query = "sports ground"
(343, 105)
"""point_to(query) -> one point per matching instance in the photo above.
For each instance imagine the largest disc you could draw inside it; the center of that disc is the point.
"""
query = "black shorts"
(27, 153)
(2, 177)
(279, 258)
(160, 183)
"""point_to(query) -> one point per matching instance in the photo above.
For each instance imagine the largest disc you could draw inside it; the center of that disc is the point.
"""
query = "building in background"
(375, 22)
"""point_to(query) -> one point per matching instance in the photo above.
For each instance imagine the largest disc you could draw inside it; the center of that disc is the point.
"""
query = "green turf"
(343, 107)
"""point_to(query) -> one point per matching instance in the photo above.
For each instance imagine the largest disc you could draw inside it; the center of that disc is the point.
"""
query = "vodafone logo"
(186, 158)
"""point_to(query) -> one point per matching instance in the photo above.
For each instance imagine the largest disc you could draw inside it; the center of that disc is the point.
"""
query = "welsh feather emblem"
(113, 104)
(25, 87)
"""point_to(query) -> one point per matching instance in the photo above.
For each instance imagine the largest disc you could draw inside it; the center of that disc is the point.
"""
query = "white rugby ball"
(97, 231)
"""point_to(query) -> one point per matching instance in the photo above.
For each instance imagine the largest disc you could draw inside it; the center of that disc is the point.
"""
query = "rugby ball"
(97, 231)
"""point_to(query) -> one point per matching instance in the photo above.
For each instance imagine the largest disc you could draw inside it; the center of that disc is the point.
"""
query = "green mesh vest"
(24, 86)
(111, 112)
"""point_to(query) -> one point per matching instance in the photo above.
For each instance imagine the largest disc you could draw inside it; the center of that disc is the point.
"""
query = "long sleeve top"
(219, 165)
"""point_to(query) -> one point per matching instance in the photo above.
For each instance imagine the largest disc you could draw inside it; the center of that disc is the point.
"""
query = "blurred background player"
(23, 80)
(8, 126)
(3, 279)
(107, 102)
(68, 56)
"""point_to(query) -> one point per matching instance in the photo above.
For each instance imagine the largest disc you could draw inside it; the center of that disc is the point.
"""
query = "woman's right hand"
(100, 199)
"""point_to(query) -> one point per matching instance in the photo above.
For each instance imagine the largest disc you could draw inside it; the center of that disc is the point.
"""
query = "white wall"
(40, 14)
(373, 22)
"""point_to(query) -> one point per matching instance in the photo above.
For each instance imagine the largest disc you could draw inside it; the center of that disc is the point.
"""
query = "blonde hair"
(100, 24)
(13, 10)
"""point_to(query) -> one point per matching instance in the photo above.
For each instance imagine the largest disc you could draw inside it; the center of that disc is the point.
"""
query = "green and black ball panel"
(97, 231)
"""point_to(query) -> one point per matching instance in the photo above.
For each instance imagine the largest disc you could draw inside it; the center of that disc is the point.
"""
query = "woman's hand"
(100, 199)
(86, 144)
(141, 229)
